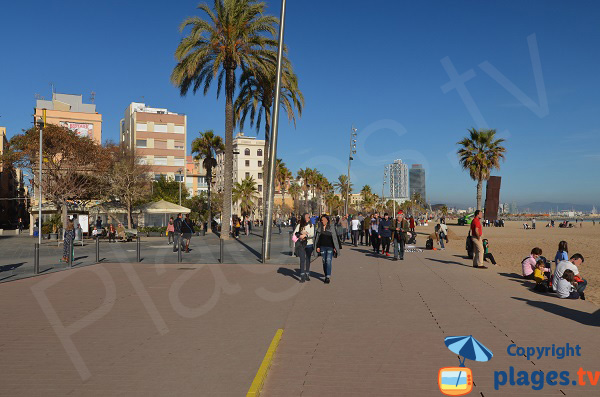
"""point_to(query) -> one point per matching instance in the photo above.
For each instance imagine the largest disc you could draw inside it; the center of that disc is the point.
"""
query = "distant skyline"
(412, 77)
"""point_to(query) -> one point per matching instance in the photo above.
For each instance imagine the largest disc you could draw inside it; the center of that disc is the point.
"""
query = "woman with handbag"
(303, 237)
(328, 245)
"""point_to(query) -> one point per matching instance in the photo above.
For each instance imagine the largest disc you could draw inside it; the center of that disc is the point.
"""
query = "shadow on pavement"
(293, 273)
(11, 267)
(249, 248)
(448, 262)
(592, 319)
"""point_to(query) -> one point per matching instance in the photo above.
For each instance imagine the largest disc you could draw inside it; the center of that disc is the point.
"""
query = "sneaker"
(395, 259)
(302, 278)
(307, 276)
(327, 280)
(387, 254)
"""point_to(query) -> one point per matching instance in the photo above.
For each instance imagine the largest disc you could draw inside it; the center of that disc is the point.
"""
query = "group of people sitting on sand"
(565, 281)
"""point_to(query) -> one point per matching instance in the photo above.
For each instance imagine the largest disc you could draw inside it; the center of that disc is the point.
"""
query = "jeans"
(355, 237)
(170, 237)
(399, 248)
(375, 240)
(366, 237)
(344, 234)
(327, 254)
(361, 233)
(581, 286)
(442, 238)
(304, 254)
(385, 244)
(177, 239)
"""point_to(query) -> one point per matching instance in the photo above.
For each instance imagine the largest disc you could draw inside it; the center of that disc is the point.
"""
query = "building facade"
(248, 160)
(159, 138)
(417, 181)
(69, 111)
(195, 179)
(13, 194)
(397, 174)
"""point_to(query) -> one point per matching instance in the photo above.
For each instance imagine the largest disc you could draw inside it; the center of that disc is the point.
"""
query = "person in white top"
(305, 232)
(572, 264)
(355, 226)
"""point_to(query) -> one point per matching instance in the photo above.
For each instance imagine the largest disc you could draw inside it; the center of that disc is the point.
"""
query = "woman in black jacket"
(328, 245)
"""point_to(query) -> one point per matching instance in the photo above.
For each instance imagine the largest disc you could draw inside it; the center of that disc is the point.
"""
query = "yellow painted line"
(261, 375)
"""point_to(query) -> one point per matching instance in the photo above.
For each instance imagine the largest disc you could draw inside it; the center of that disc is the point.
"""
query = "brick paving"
(186, 329)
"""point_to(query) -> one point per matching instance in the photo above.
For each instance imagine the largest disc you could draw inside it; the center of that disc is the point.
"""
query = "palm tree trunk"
(479, 189)
(209, 180)
(228, 166)
(266, 158)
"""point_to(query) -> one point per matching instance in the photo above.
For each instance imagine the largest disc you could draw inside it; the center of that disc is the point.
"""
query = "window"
(178, 178)
(141, 143)
(141, 126)
(247, 163)
(247, 175)
(260, 188)
(179, 129)
(202, 181)
(160, 144)
(142, 160)
(160, 161)
(157, 177)
(247, 152)
(160, 128)
(179, 162)
(260, 175)
(259, 152)
(179, 145)
(260, 163)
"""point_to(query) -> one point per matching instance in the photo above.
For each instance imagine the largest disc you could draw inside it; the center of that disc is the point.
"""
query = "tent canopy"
(163, 207)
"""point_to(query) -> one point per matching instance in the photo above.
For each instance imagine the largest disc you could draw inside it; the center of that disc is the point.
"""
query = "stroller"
(412, 239)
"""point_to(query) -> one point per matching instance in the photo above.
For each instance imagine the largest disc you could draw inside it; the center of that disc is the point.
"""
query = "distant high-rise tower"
(417, 181)
(398, 177)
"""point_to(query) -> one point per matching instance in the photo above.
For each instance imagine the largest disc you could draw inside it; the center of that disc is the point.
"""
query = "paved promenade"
(185, 329)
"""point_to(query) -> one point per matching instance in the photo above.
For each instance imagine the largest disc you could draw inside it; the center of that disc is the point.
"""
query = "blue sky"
(377, 66)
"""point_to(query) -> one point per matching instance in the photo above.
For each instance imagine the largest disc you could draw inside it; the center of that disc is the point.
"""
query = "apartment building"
(248, 159)
(69, 111)
(195, 180)
(159, 137)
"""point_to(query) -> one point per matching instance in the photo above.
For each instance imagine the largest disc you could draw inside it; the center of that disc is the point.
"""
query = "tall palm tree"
(256, 97)
(480, 153)
(205, 148)
(245, 192)
(306, 175)
(234, 34)
(282, 177)
(295, 190)
(343, 187)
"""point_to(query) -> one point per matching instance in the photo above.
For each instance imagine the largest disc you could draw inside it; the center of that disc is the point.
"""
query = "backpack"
(429, 244)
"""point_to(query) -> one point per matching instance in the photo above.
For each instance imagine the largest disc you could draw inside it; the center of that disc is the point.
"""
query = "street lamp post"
(41, 124)
(268, 220)
(353, 133)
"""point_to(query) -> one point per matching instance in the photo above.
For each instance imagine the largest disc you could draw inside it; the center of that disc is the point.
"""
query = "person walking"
(385, 232)
(477, 240)
(328, 245)
(366, 226)
(170, 230)
(68, 238)
(305, 233)
(442, 233)
(187, 230)
(344, 223)
(412, 224)
(374, 231)
(20, 225)
(177, 223)
(400, 228)
(355, 227)
(278, 223)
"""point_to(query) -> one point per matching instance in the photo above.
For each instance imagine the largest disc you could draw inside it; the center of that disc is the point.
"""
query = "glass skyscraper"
(417, 181)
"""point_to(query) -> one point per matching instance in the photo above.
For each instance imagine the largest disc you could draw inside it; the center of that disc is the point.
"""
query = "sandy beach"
(512, 243)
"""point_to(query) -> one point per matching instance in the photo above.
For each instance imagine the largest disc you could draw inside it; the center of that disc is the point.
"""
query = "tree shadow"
(448, 262)
(11, 267)
(591, 319)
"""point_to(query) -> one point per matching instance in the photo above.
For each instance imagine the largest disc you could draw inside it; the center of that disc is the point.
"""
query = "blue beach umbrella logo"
(458, 381)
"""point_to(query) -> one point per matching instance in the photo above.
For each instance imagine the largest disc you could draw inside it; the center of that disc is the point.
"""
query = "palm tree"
(245, 193)
(306, 175)
(343, 187)
(295, 191)
(480, 153)
(256, 97)
(282, 176)
(205, 148)
(233, 35)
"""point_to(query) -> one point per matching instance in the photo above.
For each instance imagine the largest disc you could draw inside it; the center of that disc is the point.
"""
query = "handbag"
(294, 238)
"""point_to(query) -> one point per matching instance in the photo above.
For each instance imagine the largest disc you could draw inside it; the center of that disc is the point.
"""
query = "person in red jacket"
(477, 239)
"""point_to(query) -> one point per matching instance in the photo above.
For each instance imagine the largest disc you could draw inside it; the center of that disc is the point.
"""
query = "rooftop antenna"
(53, 92)
(38, 96)
(93, 96)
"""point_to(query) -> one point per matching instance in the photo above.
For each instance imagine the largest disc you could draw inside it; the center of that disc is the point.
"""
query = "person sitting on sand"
(528, 264)
(486, 252)
(572, 264)
(566, 286)
(542, 284)
(563, 252)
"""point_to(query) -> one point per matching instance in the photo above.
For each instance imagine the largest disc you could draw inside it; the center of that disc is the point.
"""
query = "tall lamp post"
(41, 124)
(180, 171)
(353, 133)
(266, 246)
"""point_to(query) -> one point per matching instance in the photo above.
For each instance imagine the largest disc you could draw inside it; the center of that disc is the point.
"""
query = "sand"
(512, 243)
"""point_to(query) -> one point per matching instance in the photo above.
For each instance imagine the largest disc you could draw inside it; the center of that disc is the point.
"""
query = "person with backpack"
(374, 232)
(385, 232)
(400, 228)
(177, 232)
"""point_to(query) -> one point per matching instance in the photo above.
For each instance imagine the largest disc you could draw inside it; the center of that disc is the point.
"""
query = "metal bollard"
(36, 259)
(138, 249)
(71, 254)
(179, 259)
(97, 250)
(220, 250)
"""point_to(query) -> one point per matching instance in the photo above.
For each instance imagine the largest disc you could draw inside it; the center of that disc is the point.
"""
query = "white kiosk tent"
(158, 213)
